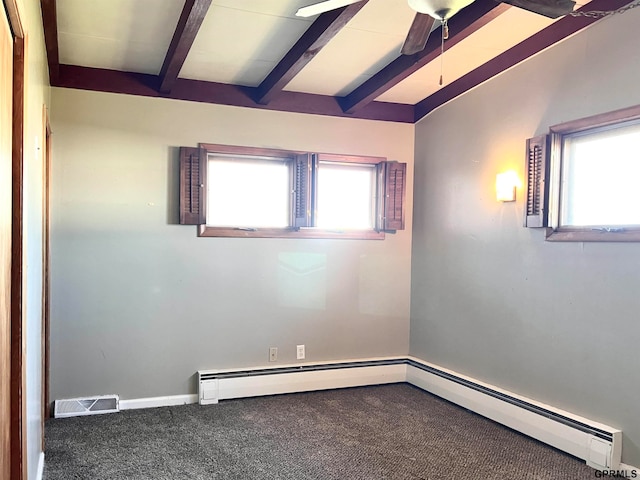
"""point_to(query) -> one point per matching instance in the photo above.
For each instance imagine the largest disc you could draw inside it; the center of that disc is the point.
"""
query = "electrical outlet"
(300, 352)
(273, 354)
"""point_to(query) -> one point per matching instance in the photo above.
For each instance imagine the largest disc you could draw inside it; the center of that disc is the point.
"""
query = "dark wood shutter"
(536, 174)
(392, 204)
(302, 191)
(193, 172)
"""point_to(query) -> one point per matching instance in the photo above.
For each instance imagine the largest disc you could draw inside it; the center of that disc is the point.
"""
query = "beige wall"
(556, 322)
(140, 303)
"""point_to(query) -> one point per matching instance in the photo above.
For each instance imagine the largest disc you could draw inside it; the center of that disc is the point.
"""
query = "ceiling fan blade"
(418, 34)
(548, 8)
(323, 7)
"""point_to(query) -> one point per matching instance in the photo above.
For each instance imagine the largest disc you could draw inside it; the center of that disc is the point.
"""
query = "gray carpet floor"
(393, 432)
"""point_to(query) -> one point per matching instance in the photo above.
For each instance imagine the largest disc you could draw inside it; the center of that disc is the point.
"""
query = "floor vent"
(74, 407)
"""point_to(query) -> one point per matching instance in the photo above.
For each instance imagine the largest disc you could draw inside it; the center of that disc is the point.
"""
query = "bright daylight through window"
(346, 196)
(231, 191)
(248, 192)
(600, 175)
(582, 179)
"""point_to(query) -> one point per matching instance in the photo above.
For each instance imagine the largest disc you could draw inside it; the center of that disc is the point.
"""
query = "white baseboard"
(153, 402)
(40, 471)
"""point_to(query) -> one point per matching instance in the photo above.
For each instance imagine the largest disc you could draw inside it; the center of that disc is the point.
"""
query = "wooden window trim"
(301, 228)
(593, 235)
(596, 121)
(213, 148)
(554, 231)
(330, 157)
(303, 232)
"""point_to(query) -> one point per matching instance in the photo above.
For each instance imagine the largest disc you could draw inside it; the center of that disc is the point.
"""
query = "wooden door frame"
(18, 335)
(6, 214)
(18, 437)
(46, 219)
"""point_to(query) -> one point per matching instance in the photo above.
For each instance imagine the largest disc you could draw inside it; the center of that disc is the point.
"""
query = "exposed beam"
(545, 38)
(321, 31)
(50, 27)
(463, 24)
(190, 21)
(96, 79)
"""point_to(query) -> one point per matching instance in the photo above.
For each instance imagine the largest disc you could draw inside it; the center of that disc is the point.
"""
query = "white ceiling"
(241, 41)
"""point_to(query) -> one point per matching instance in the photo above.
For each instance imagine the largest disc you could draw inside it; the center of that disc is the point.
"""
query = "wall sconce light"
(506, 184)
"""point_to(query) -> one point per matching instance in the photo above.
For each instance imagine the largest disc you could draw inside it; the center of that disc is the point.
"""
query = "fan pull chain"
(445, 35)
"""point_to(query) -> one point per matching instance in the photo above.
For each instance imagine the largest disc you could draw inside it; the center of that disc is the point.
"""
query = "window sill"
(208, 231)
(580, 235)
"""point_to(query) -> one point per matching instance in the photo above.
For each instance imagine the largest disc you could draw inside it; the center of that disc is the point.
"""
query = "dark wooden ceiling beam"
(321, 31)
(101, 80)
(50, 27)
(463, 24)
(190, 21)
(545, 38)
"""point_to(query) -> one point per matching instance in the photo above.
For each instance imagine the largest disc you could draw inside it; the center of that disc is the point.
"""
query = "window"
(582, 179)
(346, 196)
(250, 192)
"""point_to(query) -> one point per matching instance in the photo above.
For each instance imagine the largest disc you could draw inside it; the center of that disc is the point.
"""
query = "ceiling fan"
(428, 11)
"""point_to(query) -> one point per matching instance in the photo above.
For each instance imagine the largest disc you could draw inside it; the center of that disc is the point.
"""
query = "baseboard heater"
(215, 385)
(599, 445)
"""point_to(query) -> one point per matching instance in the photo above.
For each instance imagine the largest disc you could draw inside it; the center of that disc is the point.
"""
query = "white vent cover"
(74, 407)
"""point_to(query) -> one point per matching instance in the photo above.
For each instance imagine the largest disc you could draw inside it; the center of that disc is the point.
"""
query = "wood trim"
(102, 80)
(193, 182)
(46, 261)
(536, 43)
(558, 233)
(300, 230)
(13, 12)
(251, 151)
(584, 235)
(537, 168)
(467, 21)
(190, 22)
(305, 232)
(332, 157)
(6, 165)
(600, 120)
(395, 183)
(18, 337)
(50, 27)
(286, 154)
(359, 103)
(317, 36)
(301, 190)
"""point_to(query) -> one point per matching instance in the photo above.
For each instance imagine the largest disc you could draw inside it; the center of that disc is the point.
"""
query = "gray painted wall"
(557, 322)
(139, 304)
(37, 93)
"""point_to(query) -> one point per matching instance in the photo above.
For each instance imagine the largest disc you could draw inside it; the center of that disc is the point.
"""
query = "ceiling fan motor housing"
(439, 9)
